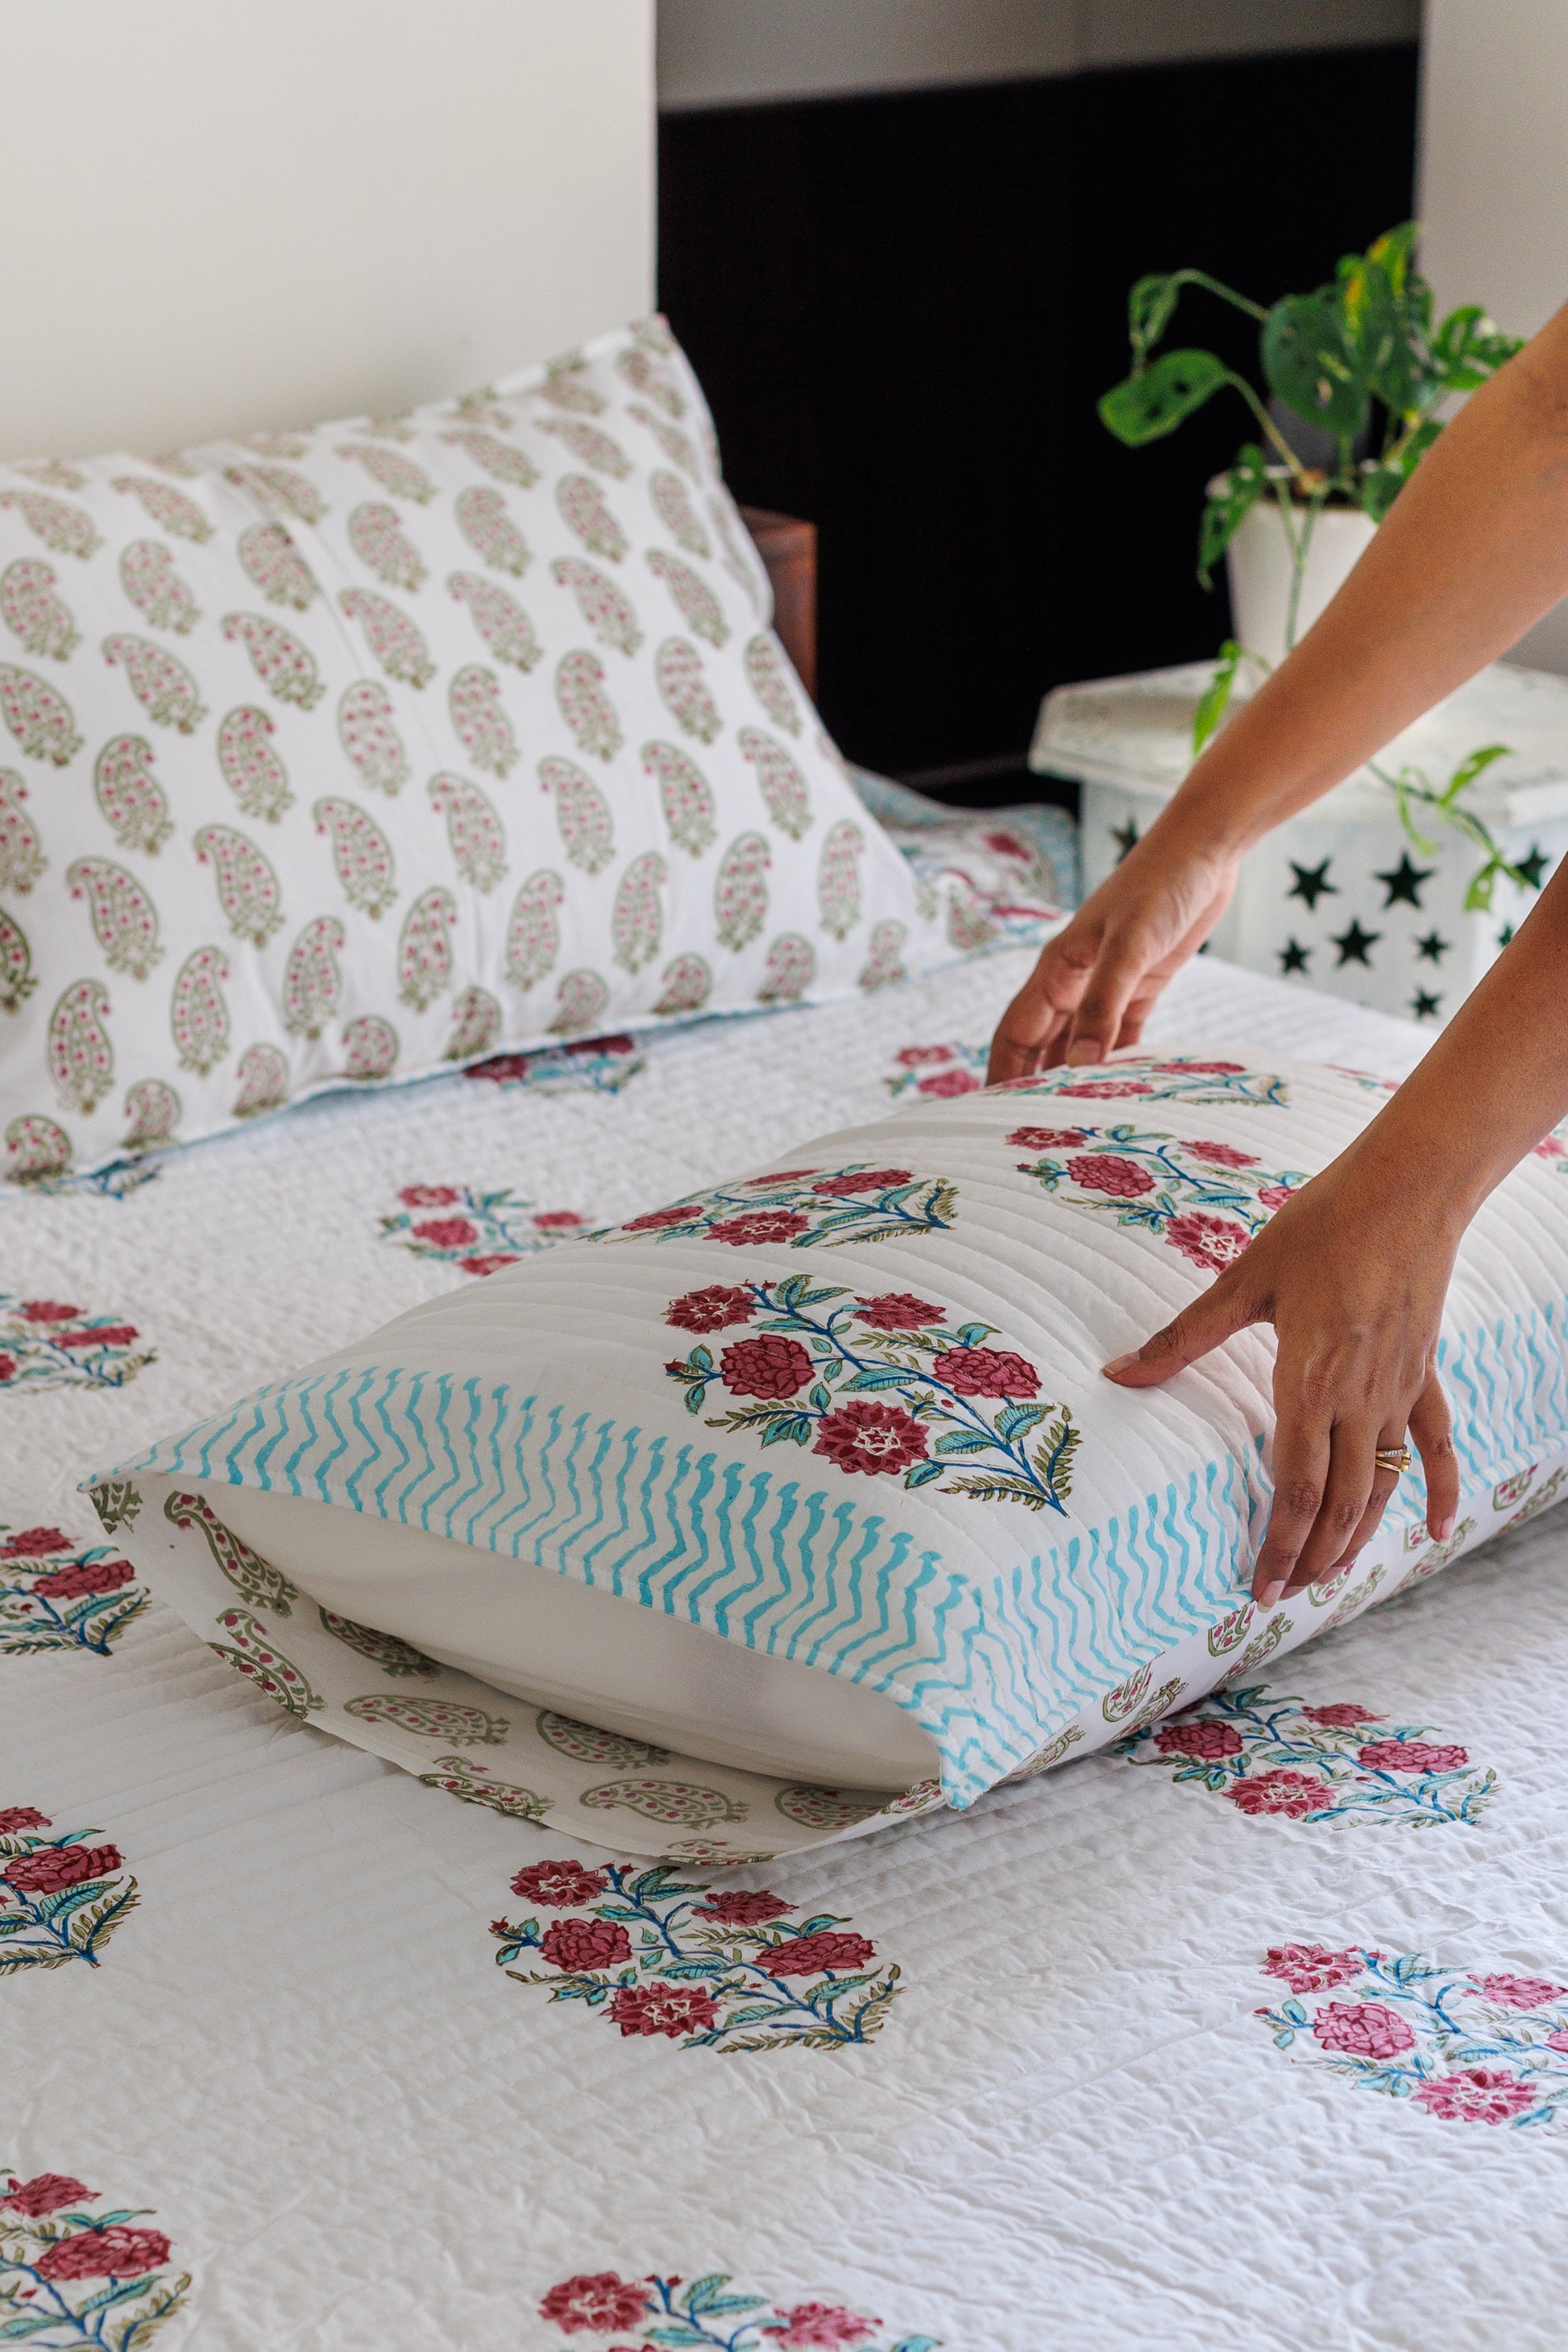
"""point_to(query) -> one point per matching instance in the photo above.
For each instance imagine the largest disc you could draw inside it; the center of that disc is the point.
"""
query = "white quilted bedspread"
(998, 2083)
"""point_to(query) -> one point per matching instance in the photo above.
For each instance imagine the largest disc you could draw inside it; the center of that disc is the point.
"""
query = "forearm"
(1473, 551)
(1492, 1084)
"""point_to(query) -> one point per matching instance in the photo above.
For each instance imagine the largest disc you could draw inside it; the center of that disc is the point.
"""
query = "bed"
(305, 2053)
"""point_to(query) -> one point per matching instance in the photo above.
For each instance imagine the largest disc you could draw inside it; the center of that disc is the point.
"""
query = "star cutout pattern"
(1505, 936)
(1355, 945)
(1433, 948)
(1402, 882)
(1311, 883)
(1293, 956)
(1424, 1005)
(1534, 867)
(1125, 836)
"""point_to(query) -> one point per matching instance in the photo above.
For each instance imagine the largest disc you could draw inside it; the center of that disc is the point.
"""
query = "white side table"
(1339, 897)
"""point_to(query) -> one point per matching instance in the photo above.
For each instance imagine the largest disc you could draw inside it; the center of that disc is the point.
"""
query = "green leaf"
(1154, 400)
(1228, 507)
(974, 1335)
(878, 1376)
(1469, 346)
(1212, 702)
(1469, 769)
(820, 1398)
(694, 1397)
(963, 1441)
(1312, 367)
(1013, 1418)
(922, 1474)
(1151, 304)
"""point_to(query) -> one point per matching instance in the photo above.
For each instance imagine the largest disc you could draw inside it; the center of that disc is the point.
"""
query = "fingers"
(1030, 1033)
(1433, 1432)
(1227, 1307)
(1344, 1503)
(1383, 1485)
(1302, 1452)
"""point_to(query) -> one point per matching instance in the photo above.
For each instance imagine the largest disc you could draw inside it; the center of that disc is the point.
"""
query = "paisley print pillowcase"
(838, 1424)
(346, 754)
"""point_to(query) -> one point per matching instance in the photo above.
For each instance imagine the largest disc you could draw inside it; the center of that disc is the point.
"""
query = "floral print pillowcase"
(846, 1414)
(342, 755)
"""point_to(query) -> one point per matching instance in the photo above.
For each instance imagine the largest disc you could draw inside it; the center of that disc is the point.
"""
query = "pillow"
(347, 754)
(806, 1492)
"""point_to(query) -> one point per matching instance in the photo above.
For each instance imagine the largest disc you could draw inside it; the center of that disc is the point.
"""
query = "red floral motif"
(602, 2302)
(765, 1368)
(1476, 2095)
(870, 1437)
(1210, 1241)
(920, 1057)
(115, 2251)
(8, 1368)
(1293, 1794)
(1521, 1992)
(79, 1576)
(823, 2327)
(661, 2008)
(47, 2193)
(1342, 1716)
(22, 1817)
(806, 1956)
(899, 1311)
(558, 1221)
(872, 1180)
(483, 1265)
(780, 1176)
(737, 1908)
(1223, 1155)
(34, 1543)
(1273, 1196)
(559, 1884)
(944, 1084)
(1549, 1147)
(1558, 2040)
(429, 1196)
(61, 1867)
(581, 1944)
(760, 1225)
(986, 1372)
(1101, 1171)
(1362, 2029)
(657, 1219)
(1205, 1739)
(1105, 1089)
(447, 1233)
(1310, 1967)
(47, 1310)
(109, 1335)
(1046, 1138)
(713, 1309)
(1200, 1069)
(1411, 1756)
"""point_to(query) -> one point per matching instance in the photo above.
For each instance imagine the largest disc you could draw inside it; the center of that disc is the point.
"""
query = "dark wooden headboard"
(788, 548)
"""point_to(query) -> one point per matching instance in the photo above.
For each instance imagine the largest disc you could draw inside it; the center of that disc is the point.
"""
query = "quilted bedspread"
(1254, 2030)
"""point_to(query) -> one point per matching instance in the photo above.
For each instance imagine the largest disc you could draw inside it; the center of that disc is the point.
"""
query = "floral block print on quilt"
(353, 754)
(791, 1507)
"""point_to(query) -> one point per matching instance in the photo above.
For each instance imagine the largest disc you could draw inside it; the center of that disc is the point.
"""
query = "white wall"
(728, 52)
(222, 219)
(1494, 179)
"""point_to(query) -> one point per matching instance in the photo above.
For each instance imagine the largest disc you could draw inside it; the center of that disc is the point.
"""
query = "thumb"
(1199, 1329)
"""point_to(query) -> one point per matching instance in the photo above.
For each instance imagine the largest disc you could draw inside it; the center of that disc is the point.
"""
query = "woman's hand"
(1093, 986)
(1352, 1273)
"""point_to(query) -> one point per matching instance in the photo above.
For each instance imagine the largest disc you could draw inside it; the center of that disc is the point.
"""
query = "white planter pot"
(1260, 565)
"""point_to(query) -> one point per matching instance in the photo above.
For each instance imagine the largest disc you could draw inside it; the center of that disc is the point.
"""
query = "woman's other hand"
(1352, 1273)
(1094, 984)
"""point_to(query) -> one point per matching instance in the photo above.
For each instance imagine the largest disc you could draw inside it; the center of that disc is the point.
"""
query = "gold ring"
(1397, 1458)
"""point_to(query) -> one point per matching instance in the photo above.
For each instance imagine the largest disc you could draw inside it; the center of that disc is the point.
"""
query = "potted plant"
(1361, 365)
(1359, 362)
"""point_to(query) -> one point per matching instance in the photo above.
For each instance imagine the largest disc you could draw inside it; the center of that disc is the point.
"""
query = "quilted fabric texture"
(847, 1411)
(339, 755)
